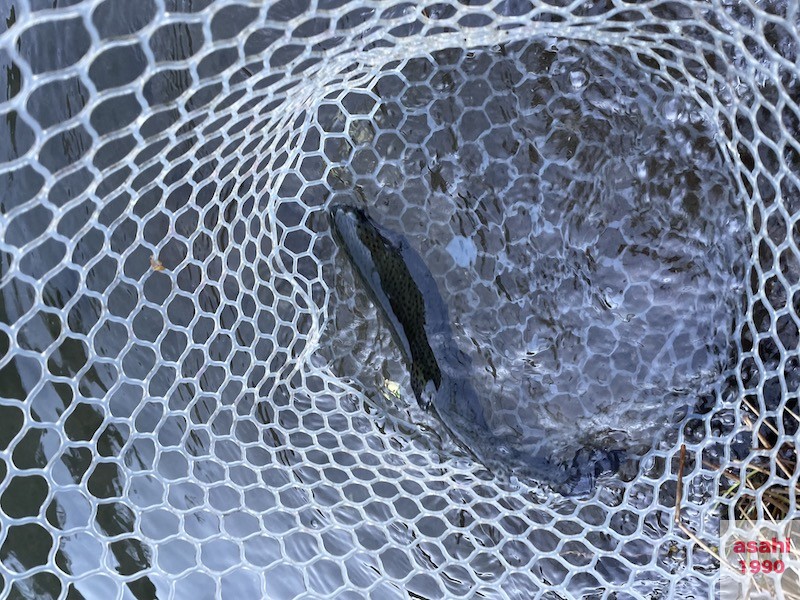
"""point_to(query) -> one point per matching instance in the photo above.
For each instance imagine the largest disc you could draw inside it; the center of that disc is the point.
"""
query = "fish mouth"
(336, 209)
(338, 214)
(344, 221)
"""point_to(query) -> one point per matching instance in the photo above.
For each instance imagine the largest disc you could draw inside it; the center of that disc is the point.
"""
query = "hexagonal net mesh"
(190, 397)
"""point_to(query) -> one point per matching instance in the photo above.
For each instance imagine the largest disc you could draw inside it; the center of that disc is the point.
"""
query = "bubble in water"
(612, 299)
(672, 110)
(577, 79)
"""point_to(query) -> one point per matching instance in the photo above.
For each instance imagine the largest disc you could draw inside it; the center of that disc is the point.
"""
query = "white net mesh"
(183, 370)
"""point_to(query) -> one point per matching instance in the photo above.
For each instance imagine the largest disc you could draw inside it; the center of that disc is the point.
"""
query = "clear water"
(582, 228)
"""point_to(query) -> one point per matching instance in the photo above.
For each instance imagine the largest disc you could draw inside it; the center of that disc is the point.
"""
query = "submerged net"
(193, 391)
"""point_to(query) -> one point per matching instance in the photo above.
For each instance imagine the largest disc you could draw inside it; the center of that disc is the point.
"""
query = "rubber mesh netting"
(171, 421)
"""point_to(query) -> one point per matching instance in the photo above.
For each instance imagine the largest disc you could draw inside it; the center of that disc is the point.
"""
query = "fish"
(407, 296)
(405, 292)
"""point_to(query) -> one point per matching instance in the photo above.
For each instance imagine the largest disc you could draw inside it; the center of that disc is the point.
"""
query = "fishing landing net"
(180, 415)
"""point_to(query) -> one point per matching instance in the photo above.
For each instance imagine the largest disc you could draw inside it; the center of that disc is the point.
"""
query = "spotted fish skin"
(406, 293)
(404, 289)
